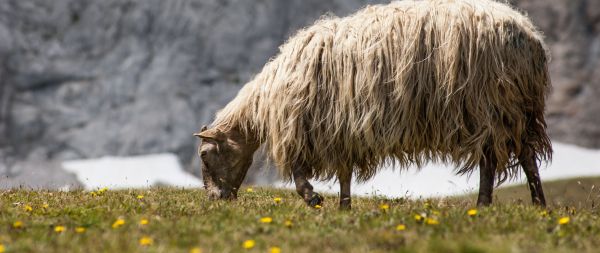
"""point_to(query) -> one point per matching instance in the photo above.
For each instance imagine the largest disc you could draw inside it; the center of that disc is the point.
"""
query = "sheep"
(461, 82)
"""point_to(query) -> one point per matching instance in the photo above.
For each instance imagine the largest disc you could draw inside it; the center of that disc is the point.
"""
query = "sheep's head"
(226, 157)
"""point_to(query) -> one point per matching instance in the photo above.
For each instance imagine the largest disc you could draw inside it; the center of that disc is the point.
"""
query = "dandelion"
(427, 205)
(564, 220)
(79, 230)
(145, 241)
(431, 221)
(140, 196)
(418, 218)
(59, 229)
(472, 212)
(196, 250)
(28, 208)
(94, 194)
(45, 205)
(401, 227)
(318, 206)
(249, 190)
(275, 250)
(544, 213)
(18, 224)
(144, 222)
(248, 244)
(103, 190)
(2, 248)
(118, 223)
(384, 207)
(266, 220)
(277, 200)
(288, 223)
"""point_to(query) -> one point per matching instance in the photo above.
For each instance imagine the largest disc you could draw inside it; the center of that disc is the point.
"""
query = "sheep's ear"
(213, 134)
(200, 134)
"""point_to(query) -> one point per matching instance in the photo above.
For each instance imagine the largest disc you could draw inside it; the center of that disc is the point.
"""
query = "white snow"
(131, 172)
(434, 180)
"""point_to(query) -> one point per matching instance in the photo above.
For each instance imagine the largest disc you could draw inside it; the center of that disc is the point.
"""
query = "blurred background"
(83, 80)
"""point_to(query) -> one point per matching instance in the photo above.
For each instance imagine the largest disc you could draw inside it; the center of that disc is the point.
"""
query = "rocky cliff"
(83, 78)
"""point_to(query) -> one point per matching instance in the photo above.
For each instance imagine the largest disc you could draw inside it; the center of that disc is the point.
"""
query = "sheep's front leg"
(487, 172)
(305, 189)
(345, 179)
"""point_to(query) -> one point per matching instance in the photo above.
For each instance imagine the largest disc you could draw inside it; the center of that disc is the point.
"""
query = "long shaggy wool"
(409, 82)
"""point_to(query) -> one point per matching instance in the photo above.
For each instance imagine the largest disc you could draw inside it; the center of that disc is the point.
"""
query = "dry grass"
(582, 193)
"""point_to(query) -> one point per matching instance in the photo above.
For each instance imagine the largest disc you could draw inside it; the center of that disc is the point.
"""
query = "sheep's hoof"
(345, 205)
(315, 200)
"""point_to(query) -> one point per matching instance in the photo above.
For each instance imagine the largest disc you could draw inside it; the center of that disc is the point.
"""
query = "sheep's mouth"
(214, 193)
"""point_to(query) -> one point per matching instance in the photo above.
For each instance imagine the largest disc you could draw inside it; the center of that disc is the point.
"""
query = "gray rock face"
(39, 175)
(572, 30)
(83, 79)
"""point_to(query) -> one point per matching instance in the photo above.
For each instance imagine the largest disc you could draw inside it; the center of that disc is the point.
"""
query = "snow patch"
(131, 172)
(435, 180)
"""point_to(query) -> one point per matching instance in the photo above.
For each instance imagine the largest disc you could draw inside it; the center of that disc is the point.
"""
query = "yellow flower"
(288, 223)
(431, 221)
(384, 207)
(118, 223)
(59, 229)
(144, 222)
(28, 208)
(144, 241)
(544, 213)
(45, 205)
(248, 244)
(277, 200)
(472, 212)
(2, 248)
(400, 227)
(79, 230)
(564, 220)
(103, 190)
(140, 196)
(94, 194)
(249, 190)
(266, 220)
(196, 250)
(18, 224)
(275, 250)
(418, 218)
(318, 206)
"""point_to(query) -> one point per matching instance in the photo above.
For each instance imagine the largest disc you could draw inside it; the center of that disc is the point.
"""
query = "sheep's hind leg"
(345, 179)
(487, 172)
(305, 189)
(530, 167)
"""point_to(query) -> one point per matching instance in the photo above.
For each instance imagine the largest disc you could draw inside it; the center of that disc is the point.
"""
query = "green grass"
(180, 220)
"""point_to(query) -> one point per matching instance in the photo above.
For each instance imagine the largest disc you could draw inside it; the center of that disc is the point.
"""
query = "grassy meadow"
(271, 220)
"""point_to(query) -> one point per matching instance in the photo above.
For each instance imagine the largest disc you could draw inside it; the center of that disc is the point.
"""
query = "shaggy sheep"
(455, 81)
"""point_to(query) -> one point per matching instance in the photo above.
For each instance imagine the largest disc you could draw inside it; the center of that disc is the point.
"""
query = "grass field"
(177, 220)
